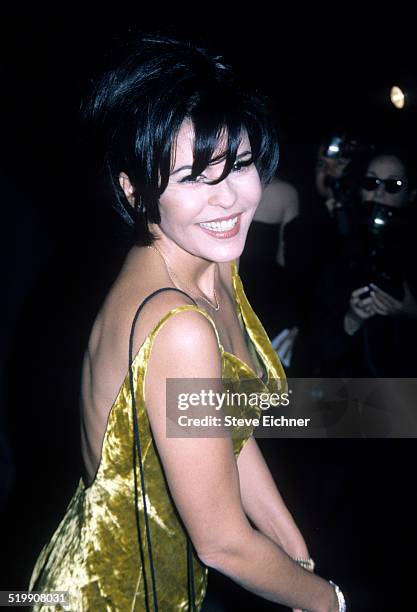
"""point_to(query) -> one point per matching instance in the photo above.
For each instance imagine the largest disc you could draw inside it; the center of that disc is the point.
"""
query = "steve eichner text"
(220, 400)
(266, 421)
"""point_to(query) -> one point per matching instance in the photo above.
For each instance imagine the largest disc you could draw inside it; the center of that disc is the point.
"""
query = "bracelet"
(307, 564)
(340, 598)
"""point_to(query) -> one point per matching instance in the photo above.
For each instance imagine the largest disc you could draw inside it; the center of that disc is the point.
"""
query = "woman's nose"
(223, 194)
(380, 191)
(377, 195)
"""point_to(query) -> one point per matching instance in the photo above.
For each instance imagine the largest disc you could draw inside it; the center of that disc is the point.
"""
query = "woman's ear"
(127, 188)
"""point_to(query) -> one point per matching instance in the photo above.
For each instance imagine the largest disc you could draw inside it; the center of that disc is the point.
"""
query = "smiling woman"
(187, 152)
(202, 212)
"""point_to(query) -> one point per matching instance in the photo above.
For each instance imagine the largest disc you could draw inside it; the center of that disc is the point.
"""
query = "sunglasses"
(370, 183)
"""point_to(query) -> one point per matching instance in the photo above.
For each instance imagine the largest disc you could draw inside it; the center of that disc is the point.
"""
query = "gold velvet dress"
(94, 554)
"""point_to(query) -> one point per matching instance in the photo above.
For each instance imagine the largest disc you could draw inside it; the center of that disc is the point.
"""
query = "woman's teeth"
(220, 226)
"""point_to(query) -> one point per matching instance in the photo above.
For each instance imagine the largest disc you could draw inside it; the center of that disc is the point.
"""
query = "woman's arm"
(264, 505)
(203, 478)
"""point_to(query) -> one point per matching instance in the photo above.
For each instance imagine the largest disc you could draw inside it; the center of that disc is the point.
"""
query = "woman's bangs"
(217, 139)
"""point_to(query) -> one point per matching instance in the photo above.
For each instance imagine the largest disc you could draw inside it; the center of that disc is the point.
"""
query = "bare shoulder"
(279, 199)
(185, 347)
(145, 306)
(290, 200)
(279, 188)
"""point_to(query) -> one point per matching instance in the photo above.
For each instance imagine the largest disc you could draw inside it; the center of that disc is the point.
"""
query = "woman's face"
(209, 221)
(384, 175)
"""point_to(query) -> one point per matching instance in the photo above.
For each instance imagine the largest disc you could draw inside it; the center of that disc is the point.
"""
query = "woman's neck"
(197, 272)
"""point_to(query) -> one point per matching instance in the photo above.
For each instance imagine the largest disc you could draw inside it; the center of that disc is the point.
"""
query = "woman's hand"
(361, 303)
(284, 344)
(361, 308)
(366, 302)
(386, 305)
(383, 303)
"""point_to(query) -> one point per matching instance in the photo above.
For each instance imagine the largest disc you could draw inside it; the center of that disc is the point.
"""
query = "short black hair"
(139, 104)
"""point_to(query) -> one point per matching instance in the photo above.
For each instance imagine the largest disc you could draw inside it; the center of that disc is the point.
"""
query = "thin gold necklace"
(176, 281)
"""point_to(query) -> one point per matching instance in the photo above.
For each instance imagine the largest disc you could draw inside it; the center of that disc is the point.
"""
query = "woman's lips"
(222, 234)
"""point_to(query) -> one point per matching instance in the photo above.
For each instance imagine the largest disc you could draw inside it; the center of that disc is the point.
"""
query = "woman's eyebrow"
(248, 152)
(393, 176)
(181, 168)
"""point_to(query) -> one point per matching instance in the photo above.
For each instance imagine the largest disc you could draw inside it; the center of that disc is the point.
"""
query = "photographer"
(318, 237)
(366, 311)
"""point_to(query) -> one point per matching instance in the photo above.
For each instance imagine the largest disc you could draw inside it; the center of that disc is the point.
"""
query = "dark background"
(326, 68)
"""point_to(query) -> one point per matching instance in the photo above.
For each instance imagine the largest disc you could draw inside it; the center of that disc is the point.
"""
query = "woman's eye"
(192, 179)
(240, 165)
(237, 167)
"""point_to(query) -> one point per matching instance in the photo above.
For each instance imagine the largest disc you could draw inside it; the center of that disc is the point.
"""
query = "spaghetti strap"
(139, 459)
(155, 293)
(151, 336)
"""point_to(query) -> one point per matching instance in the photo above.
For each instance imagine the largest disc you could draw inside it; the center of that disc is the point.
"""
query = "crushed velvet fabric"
(95, 554)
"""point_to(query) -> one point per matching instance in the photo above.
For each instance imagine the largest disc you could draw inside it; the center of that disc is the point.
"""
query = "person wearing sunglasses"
(365, 308)
(387, 184)
(390, 185)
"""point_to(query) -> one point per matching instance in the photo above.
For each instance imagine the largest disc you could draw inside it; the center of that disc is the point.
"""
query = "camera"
(344, 188)
(373, 234)
(340, 146)
(344, 191)
(344, 183)
(382, 236)
(385, 220)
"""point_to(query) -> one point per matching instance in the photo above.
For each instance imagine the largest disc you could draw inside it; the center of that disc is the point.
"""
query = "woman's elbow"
(218, 553)
(215, 559)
